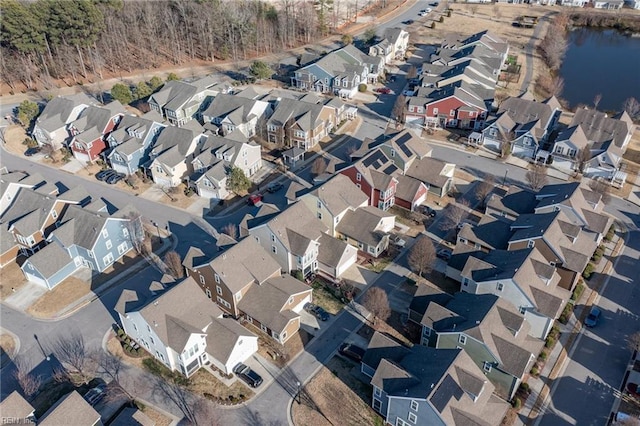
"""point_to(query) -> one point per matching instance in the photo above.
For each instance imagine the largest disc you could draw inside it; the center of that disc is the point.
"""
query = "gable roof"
(382, 346)
(71, 406)
(130, 416)
(296, 227)
(490, 232)
(94, 119)
(332, 250)
(237, 109)
(57, 113)
(339, 194)
(50, 260)
(527, 115)
(429, 170)
(377, 169)
(599, 128)
(514, 202)
(222, 336)
(16, 407)
(362, 225)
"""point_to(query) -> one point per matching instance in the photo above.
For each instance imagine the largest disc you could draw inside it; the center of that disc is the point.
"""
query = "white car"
(398, 241)
(408, 92)
(423, 13)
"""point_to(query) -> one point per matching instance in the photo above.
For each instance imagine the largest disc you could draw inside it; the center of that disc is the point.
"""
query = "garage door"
(420, 200)
(36, 279)
(300, 305)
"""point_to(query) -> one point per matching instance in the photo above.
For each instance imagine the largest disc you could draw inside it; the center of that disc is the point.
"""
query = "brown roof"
(222, 336)
(15, 406)
(429, 170)
(70, 407)
(362, 225)
(339, 194)
(407, 188)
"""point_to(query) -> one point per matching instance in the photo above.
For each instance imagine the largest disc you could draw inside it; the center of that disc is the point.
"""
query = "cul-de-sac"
(320, 212)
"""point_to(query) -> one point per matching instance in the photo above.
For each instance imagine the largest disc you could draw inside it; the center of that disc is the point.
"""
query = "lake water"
(604, 62)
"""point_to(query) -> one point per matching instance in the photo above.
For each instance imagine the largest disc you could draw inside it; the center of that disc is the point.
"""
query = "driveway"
(588, 387)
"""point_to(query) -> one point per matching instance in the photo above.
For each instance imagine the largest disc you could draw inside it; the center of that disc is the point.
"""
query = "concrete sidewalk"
(537, 401)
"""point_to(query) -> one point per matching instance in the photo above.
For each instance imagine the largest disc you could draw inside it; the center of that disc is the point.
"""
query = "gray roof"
(175, 94)
(362, 225)
(50, 259)
(489, 232)
(81, 227)
(222, 336)
(331, 250)
(527, 115)
(242, 264)
(515, 202)
(348, 61)
(429, 170)
(28, 211)
(407, 187)
(339, 194)
(174, 143)
(575, 136)
(382, 347)
(296, 227)
(268, 302)
(15, 407)
(235, 108)
(132, 417)
(599, 128)
(56, 114)
(377, 169)
(179, 312)
(92, 122)
(71, 406)
(304, 114)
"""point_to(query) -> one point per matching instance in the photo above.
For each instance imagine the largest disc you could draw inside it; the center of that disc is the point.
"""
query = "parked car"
(408, 22)
(352, 351)
(102, 175)
(434, 4)
(252, 378)
(96, 394)
(593, 317)
(395, 239)
(383, 90)
(32, 151)
(407, 92)
(317, 311)
(428, 211)
(444, 253)
(274, 187)
(115, 178)
(254, 199)
(392, 79)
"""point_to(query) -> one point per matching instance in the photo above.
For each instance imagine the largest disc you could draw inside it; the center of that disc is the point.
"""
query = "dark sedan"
(352, 351)
(102, 175)
(252, 378)
(32, 151)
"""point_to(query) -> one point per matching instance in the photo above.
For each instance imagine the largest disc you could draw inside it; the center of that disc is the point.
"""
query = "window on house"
(531, 244)
(148, 328)
(462, 339)
(122, 248)
(359, 186)
(238, 296)
(274, 250)
(414, 405)
(219, 290)
(54, 214)
(486, 366)
(258, 240)
(151, 340)
(105, 233)
(319, 215)
(500, 286)
(377, 391)
(523, 310)
(426, 331)
(493, 132)
(108, 244)
(358, 177)
(264, 328)
(393, 152)
(452, 113)
(108, 259)
(273, 237)
(134, 327)
(435, 111)
(125, 232)
(208, 292)
(202, 279)
(217, 278)
(413, 418)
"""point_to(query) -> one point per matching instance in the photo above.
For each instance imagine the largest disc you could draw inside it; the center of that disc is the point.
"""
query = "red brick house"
(448, 107)
(374, 175)
(89, 131)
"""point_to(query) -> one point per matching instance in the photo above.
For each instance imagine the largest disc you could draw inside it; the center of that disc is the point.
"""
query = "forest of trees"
(80, 40)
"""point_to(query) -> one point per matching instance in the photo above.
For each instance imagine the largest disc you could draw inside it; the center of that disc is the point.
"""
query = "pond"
(604, 62)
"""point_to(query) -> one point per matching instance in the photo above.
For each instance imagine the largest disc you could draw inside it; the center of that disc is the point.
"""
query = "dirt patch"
(62, 295)
(7, 344)
(206, 384)
(14, 136)
(407, 333)
(11, 279)
(335, 386)
(324, 298)
(115, 348)
(273, 351)
(156, 416)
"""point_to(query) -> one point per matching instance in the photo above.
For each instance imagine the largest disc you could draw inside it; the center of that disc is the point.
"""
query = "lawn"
(158, 418)
(334, 386)
(324, 297)
(11, 278)
(62, 295)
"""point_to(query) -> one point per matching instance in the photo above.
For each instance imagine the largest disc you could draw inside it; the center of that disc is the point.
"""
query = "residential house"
(130, 144)
(89, 131)
(172, 153)
(489, 329)
(332, 200)
(467, 71)
(130, 416)
(50, 127)
(608, 4)
(524, 278)
(183, 330)
(524, 124)
(511, 203)
(455, 105)
(633, 4)
(367, 228)
(80, 237)
(300, 124)
(218, 155)
(410, 192)
(179, 101)
(339, 72)
(230, 112)
(575, 3)
(72, 406)
(292, 238)
(565, 245)
(436, 174)
(335, 256)
(484, 38)
(374, 175)
(429, 386)
(605, 137)
(12, 182)
(490, 233)
(393, 45)
(18, 409)
(403, 148)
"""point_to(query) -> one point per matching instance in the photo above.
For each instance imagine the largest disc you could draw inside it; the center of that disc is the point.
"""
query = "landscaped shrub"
(433, 25)
(525, 387)
(362, 87)
(588, 270)
(610, 233)
(535, 371)
(297, 274)
(550, 342)
(566, 313)
(543, 356)
(442, 19)
(517, 403)
(577, 292)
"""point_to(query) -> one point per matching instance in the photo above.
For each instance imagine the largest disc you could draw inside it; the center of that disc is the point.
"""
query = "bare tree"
(601, 188)
(506, 137)
(109, 366)
(72, 352)
(582, 158)
(28, 382)
(174, 264)
(377, 303)
(554, 45)
(399, 109)
(633, 341)
(537, 177)
(422, 255)
(632, 107)
(454, 215)
(319, 166)
(557, 85)
(596, 100)
(484, 188)
(135, 231)
(231, 230)
(500, 97)
(196, 411)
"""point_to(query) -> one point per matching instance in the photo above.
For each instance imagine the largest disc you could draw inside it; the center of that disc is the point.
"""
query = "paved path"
(529, 52)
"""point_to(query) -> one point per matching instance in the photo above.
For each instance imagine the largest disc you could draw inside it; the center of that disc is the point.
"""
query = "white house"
(236, 112)
(51, 125)
(183, 330)
(172, 153)
(393, 45)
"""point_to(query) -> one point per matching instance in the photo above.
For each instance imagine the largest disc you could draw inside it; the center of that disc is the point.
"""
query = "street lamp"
(157, 228)
(505, 177)
(298, 384)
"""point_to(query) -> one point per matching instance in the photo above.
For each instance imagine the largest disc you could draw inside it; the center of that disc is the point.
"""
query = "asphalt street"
(585, 392)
